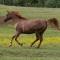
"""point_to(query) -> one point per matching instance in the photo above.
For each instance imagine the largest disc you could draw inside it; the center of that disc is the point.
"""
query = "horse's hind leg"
(37, 38)
(40, 40)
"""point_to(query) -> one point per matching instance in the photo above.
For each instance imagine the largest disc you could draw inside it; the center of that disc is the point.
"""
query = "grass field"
(50, 48)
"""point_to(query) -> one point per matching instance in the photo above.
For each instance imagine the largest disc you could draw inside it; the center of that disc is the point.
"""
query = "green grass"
(27, 53)
(50, 48)
(31, 12)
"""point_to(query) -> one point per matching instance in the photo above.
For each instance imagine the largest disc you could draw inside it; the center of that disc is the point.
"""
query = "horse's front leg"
(12, 41)
(17, 35)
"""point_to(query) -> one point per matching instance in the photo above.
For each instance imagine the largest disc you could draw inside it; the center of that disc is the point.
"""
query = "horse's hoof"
(38, 47)
(21, 44)
(10, 45)
(31, 46)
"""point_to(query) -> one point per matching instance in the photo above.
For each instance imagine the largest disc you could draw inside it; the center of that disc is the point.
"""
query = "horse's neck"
(19, 20)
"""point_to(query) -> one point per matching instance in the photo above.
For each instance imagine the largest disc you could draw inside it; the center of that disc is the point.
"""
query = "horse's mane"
(18, 15)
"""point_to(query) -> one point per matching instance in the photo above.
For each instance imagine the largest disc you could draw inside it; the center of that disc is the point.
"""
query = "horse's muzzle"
(7, 19)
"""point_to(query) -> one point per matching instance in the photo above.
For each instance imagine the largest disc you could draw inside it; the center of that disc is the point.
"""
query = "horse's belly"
(28, 32)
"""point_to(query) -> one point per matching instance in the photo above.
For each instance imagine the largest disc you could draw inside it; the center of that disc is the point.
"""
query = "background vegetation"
(50, 48)
(32, 3)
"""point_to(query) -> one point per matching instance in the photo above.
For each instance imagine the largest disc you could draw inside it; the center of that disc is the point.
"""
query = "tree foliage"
(33, 3)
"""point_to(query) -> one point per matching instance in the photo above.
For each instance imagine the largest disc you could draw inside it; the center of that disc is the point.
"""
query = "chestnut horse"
(25, 26)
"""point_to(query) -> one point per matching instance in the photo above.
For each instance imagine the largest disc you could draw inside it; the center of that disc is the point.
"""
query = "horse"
(26, 26)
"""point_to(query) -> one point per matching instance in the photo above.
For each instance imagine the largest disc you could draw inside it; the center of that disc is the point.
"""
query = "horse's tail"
(53, 22)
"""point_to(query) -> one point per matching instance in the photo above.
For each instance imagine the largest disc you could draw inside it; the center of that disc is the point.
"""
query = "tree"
(51, 3)
(58, 3)
(33, 3)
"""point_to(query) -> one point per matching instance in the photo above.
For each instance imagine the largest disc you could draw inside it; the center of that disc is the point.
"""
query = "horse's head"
(13, 15)
(9, 16)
